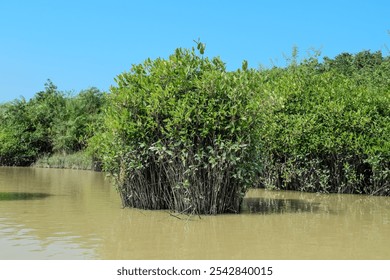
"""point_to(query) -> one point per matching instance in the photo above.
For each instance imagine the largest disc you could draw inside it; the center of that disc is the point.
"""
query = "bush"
(16, 139)
(181, 134)
(328, 132)
(49, 123)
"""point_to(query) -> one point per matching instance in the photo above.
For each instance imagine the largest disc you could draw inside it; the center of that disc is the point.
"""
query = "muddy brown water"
(78, 215)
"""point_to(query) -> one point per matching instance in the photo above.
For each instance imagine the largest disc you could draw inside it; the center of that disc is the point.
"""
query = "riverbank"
(79, 160)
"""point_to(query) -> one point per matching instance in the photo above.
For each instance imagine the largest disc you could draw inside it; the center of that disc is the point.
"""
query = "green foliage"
(74, 126)
(184, 133)
(15, 140)
(44, 109)
(49, 123)
(330, 131)
(181, 134)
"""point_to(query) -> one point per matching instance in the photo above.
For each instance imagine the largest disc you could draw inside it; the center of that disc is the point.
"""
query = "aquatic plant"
(181, 134)
(329, 130)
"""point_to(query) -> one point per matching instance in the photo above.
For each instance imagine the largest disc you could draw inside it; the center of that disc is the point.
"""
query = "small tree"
(181, 134)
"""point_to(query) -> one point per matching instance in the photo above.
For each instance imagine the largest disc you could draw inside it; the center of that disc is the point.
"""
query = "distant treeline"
(52, 122)
(186, 134)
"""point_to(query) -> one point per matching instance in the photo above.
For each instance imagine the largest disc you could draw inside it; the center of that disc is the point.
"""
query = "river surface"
(69, 214)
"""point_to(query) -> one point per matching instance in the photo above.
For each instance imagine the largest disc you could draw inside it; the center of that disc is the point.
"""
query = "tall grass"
(79, 160)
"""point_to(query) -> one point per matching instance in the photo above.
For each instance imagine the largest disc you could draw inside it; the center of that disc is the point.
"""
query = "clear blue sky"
(79, 44)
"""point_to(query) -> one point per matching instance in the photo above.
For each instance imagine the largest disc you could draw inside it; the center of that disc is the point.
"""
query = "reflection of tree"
(62, 225)
(275, 205)
(22, 195)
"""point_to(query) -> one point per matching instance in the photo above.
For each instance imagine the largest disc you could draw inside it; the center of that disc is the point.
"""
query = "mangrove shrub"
(329, 131)
(181, 134)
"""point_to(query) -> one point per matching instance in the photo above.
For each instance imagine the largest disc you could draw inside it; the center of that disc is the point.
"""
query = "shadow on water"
(22, 196)
(260, 205)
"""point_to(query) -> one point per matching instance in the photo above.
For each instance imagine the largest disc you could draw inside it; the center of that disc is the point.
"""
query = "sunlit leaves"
(331, 117)
(188, 122)
(51, 122)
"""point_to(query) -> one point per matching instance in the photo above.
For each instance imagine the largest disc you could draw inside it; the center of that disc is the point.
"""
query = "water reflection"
(259, 205)
(22, 195)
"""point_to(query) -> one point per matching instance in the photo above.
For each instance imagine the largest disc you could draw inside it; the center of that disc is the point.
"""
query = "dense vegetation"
(184, 133)
(52, 122)
(329, 128)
